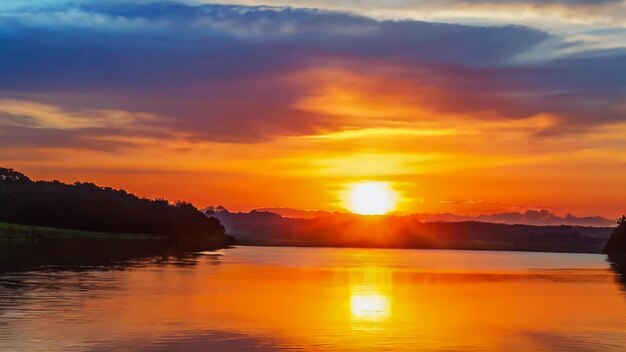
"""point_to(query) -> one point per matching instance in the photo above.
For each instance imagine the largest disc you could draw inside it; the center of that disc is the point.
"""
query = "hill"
(349, 230)
(91, 208)
(528, 217)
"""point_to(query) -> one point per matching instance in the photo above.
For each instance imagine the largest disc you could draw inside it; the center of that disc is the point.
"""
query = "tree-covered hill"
(408, 231)
(86, 206)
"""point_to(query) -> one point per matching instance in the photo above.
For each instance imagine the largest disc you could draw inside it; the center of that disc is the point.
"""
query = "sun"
(371, 198)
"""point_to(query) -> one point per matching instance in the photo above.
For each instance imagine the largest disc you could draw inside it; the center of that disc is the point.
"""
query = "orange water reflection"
(370, 294)
(330, 300)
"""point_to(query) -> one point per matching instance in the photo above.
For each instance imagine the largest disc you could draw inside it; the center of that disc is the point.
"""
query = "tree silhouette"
(621, 225)
(86, 206)
(617, 242)
(10, 175)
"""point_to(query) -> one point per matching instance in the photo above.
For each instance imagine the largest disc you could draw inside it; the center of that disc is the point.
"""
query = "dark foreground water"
(320, 299)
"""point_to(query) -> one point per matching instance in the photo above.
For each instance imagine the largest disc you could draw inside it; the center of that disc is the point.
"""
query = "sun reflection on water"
(373, 306)
(370, 294)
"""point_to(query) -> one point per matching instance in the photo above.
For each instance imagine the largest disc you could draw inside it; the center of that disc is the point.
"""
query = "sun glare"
(371, 198)
(370, 306)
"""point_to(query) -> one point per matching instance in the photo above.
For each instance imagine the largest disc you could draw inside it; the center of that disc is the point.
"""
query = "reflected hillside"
(618, 264)
(72, 253)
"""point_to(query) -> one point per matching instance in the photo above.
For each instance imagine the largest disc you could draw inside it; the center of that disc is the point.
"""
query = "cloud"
(80, 138)
(241, 74)
(26, 124)
(549, 14)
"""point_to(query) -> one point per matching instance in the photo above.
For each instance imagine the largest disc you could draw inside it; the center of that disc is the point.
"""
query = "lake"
(320, 299)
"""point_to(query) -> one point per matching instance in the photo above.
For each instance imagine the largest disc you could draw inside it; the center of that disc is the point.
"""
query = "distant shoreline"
(410, 248)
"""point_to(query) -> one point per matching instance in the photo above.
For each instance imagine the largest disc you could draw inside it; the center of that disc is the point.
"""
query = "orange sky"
(278, 110)
(379, 129)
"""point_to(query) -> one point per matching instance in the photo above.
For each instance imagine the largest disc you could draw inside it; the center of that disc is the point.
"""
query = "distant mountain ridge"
(529, 217)
(349, 230)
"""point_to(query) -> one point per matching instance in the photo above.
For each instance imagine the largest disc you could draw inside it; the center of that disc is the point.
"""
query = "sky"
(461, 106)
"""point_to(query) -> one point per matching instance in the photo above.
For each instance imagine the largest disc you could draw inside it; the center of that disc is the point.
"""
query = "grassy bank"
(24, 247)
(18, 232)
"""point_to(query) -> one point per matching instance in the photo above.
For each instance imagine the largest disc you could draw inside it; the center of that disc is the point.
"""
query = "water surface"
(320, 299)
